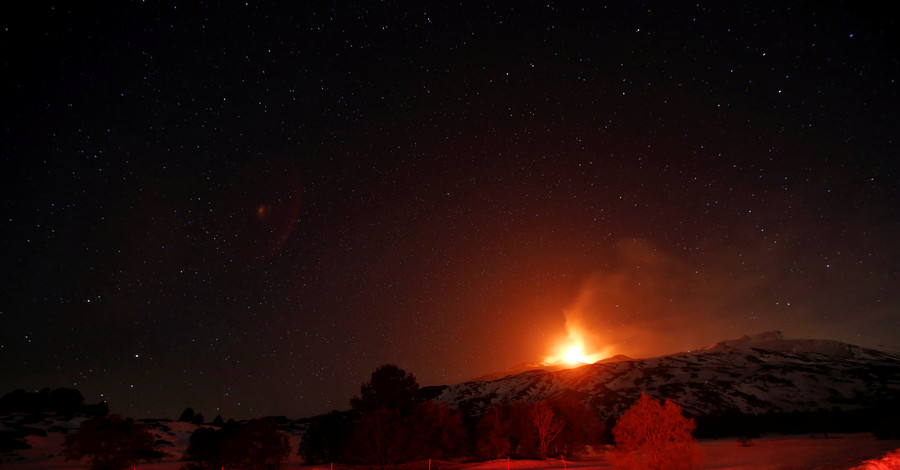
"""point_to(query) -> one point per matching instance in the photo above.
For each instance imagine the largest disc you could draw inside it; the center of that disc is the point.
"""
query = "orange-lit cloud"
(581, 345)
(647, 302)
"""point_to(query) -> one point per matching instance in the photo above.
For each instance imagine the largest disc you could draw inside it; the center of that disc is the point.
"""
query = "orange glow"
(578, 349)
(574, 356)
(581, 344)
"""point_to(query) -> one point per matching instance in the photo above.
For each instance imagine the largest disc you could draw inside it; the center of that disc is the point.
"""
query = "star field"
(246, 208)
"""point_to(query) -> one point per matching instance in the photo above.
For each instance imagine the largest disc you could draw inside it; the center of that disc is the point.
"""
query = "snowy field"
(837, 452)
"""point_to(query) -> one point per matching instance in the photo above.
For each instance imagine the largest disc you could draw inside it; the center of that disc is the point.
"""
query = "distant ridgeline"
(60, 400)
(746, 386)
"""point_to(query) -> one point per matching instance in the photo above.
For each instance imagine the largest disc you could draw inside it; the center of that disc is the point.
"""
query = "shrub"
(655, 436)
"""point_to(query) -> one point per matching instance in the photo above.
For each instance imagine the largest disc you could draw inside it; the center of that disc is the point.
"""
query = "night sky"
(246, 208)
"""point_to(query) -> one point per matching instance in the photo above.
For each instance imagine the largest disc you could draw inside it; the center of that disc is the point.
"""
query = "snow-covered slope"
(775, 341)
(759, 374)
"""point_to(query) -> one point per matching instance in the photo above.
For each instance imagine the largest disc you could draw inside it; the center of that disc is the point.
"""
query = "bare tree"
(547, 425)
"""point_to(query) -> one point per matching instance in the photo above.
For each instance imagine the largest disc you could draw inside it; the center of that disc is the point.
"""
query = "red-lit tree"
(493, 434)
(523, 438)
(546, 424)
(436, 431)
(655, 436)
(582, 429)
(381, 438)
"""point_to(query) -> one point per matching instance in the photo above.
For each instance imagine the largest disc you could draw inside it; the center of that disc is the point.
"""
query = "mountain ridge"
(757, 374)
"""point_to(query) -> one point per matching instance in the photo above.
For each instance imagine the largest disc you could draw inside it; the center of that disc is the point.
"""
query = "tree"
(493, 434)
(386, 437)
(546, 424)
(65, 400)
(436, 431)
(390, 387)
(111, 443)
(582, 428)
(655, 436)
(326, 438)
(187, 415)
(260, 445)
(523, 439)
(381, 438)
(204, 449)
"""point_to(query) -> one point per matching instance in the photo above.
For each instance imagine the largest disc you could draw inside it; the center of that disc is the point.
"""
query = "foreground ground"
(837, 452)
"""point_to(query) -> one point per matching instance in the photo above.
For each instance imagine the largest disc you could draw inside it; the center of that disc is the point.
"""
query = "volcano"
(754, 375)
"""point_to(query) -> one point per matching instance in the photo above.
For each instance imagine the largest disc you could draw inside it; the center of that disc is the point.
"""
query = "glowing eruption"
(582, 345)
(572, 351)
(574, 356)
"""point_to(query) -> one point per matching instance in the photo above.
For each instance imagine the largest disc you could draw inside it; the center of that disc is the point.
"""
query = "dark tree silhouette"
(111, 443)
(258, 445)
(326, 438)
(204, 449)
(198, 419)
(655, 436)
(65, 400)
(97, 410)
(386, 437)
(381, 438)
(217, 421)
(436, 431)
(390, 387)
(187, 415)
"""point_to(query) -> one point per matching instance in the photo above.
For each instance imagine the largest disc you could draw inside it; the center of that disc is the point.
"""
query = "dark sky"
(246, 208)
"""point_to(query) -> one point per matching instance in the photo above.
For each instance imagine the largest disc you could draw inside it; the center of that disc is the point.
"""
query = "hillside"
(753, 375)
(758, 375)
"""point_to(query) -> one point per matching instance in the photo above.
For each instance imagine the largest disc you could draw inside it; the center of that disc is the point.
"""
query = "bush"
(655, 436)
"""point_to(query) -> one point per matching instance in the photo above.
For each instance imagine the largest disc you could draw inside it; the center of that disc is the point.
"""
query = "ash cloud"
(649, 302)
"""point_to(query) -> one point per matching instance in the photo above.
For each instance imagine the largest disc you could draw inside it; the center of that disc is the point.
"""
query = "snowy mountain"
(754, 375)
(541, 366)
